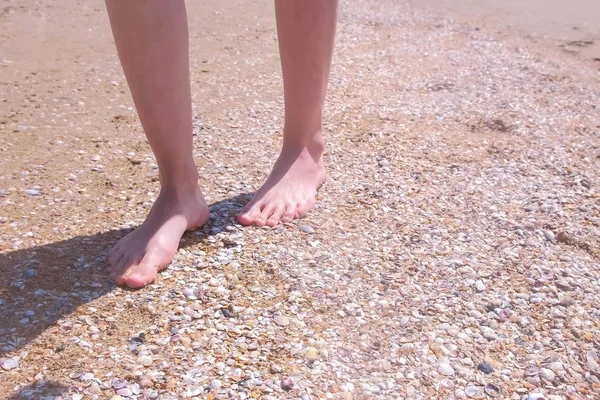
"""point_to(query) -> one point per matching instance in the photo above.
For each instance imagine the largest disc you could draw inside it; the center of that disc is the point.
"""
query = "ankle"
(298, 141)
(179, 184)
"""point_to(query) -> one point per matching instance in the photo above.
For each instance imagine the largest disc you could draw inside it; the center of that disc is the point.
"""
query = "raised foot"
(138, 257)
(290, 190)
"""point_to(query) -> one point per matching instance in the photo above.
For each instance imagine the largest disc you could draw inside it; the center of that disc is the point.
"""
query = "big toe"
(141, 277)
(249, 215)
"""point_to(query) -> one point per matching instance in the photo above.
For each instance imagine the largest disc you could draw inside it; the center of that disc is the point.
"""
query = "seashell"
(86, 377)
(532, 371)
(492, 390)
(474, 392)
(536, 396)
(118, 383)
(547, 374)
(135, 389)
(194, 391)
(81, 342)
(125, 392)
(75, 374)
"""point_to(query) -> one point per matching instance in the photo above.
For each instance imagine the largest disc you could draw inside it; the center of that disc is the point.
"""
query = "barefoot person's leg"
(306, 30)
(152, 42)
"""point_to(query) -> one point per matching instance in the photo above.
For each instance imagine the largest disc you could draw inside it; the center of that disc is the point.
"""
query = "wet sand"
(570, 26)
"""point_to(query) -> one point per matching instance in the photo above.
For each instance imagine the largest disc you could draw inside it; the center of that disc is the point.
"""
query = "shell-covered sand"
(454, 252)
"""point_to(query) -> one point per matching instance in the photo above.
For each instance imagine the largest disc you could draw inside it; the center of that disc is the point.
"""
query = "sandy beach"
(454, 252)
(571, 26)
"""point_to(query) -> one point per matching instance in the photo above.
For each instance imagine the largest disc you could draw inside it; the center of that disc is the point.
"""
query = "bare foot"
(138, 257)
(291, 188)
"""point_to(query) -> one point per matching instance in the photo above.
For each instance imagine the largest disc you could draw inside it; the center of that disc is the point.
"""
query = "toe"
(146, 270)
(275, 217)
(288, 215)
(126, 263)
(249, 214)
(112, 252)
(303, 208)
(114, 259)
(141, 276)
(261, 219)
(299, 211)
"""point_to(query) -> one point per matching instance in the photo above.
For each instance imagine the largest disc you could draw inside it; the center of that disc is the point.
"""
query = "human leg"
(306, 31)
(152, 41)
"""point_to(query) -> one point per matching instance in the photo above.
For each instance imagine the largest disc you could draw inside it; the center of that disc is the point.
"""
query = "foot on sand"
(138, 257)
(291, 188)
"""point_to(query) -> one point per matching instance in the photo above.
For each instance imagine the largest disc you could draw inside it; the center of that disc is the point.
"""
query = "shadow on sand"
(41, 390)
(40, 285)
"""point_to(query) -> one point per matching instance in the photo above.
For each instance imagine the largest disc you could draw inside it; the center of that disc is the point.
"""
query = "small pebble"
(485, 368)
(307, 229)
(32, 192)
(489, 334)
(190, 294)
(311, 353)
(549, 235)
(215, 384)
(9, 363)
(226, 313)
(146, 361)
(287, 384)
(547, 374)
(137, 339)
(479, 286)
(30, 273)
(556, 366)
(146, 383)
(445, 369)
(386, 365)
(282, 320)
(94, 388)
